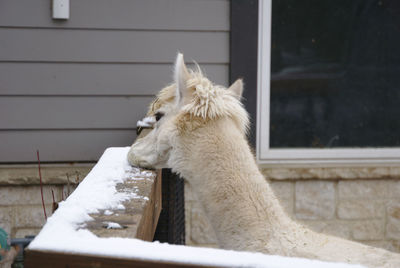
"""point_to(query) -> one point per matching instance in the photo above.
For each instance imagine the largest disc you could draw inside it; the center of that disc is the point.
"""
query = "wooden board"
(66, 79)
(151, 212)
(42, 259)
(56, 45)
(66, 145)
(72, 112)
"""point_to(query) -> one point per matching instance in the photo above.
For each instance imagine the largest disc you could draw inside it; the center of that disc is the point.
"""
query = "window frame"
(300, 157)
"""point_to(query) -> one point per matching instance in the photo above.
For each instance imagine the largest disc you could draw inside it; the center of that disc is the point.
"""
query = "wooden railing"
(138, 220)
(102, 224)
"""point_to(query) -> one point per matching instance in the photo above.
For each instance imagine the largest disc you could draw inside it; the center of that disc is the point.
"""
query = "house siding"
(73, 88)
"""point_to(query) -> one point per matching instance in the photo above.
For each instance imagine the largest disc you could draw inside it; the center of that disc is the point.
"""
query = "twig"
(55, 205)
(68, 192)
(52, 194)
(41, 185)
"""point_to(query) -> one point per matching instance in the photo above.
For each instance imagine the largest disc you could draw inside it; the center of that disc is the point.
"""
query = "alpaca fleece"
(202, 136)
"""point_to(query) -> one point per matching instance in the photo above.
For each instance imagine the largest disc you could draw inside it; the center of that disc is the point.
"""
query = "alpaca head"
(188, 104)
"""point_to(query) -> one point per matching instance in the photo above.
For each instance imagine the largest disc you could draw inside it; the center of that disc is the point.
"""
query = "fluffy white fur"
(202, 136)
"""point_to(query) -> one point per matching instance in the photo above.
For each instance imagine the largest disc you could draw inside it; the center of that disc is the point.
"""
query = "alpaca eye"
(158, 115)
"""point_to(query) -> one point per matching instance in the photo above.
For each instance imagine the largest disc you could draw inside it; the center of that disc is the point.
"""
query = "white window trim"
(300, 157)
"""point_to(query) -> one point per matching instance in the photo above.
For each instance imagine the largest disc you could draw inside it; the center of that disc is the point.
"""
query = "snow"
(108, 212)
(113, 225)
(146, 122)
(64, 230)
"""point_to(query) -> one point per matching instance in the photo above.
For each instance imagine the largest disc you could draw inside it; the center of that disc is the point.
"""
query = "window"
(328, 82)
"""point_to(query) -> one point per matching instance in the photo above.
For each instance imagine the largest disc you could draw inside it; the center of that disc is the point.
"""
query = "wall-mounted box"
(61, 9)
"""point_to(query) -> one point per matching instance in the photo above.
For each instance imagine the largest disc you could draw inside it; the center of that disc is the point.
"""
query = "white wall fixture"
(61, 9)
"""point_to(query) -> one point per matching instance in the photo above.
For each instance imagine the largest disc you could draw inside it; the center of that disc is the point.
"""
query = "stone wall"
(21, 211)
(353, 205)
(358, 204)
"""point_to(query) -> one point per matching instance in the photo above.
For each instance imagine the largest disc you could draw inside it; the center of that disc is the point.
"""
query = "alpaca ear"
(181, 76)
(237, 88)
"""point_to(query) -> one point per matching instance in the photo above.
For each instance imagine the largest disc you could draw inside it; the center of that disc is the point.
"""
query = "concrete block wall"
(21, 211)
(355, 208)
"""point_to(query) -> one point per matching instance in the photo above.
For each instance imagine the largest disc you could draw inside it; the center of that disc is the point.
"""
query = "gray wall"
(73, 88)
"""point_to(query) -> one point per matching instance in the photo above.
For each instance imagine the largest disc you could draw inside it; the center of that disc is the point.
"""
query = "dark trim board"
(244, 55)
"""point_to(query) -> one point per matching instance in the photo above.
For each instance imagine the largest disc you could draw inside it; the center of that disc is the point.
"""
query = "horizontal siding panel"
(120, 14)
(111, 46)
(72, 88)
(71, 112)
(60, 146)
(93, 79)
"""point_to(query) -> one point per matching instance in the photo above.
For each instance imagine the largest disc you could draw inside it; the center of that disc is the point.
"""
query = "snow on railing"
(104, 221)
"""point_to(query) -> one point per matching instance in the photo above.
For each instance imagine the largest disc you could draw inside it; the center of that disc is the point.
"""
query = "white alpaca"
(200, 133)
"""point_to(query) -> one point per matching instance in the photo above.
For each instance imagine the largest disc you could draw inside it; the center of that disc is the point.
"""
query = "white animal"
(200, 133)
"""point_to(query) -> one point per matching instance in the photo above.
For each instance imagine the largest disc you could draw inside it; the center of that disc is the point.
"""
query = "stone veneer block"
(368, 189)
(315, 200)
(393, 221)
(361, 209)
(329, 173)
(6, 216)
(395, 188)
(22, 232)
(283, 189)
(24, 195)
(51, 174)
(368, 230)
(31, 216)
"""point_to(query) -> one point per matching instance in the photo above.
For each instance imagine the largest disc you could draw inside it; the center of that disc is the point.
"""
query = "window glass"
(335, 74)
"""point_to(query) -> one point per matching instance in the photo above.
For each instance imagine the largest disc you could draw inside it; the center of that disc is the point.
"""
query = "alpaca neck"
(236, 197)
(242, 208)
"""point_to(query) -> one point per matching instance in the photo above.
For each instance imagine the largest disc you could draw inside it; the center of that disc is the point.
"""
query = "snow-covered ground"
(65, 230)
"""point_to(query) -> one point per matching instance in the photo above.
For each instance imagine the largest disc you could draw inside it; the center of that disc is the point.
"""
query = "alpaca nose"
(137, 160)
(133, 158)
(140, 162)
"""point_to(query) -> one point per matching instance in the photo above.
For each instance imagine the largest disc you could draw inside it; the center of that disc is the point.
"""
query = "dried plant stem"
(68, 192)
(41, 185)
(52, 193)
(55, 205)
